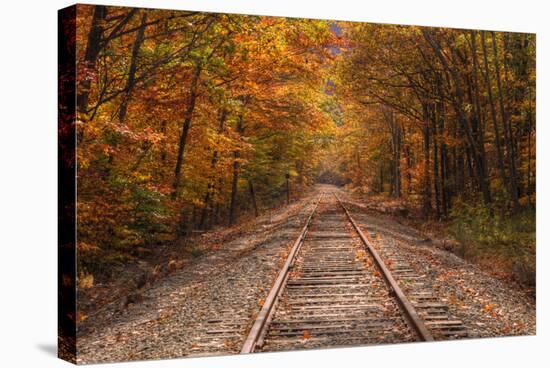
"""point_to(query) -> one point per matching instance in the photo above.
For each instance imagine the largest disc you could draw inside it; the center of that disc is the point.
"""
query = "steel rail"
(412, 318)
(258, 330)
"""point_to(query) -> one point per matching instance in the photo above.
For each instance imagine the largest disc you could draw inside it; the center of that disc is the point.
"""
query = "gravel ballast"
(208, 307)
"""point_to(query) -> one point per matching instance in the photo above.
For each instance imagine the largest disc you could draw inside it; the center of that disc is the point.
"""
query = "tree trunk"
(218, 200)
(204, 212)
(409, 169)
(407, 153)
(474, 180)
(185, 129)
(440, 122)
(395, 144)
(359, 175)
(131, 81)
(444, 168)
(498, 146)
(90, 56)
(232, 206)
(437, 188)
(235, 181)
(475, 139)
(213, 161)
(397, 159)
(217, 213)
(507, 131)
(253, 197)
(517, 66)
(287, 189)
(460, 172)
(427, 202)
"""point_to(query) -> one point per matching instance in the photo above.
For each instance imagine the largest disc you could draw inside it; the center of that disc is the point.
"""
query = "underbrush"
(503, 241)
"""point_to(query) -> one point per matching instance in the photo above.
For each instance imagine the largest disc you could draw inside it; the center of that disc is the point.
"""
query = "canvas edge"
(66, 187)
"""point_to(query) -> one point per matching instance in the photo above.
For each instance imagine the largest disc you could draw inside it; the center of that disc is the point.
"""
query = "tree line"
(187, 120)
(436, 115)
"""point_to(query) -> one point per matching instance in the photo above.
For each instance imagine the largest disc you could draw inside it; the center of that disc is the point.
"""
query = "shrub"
(504, 238)
(196, 252)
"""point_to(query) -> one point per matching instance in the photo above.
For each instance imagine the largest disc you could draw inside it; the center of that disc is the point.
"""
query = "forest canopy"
(190, 120)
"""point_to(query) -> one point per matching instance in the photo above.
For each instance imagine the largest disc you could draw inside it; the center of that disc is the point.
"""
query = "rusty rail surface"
(259, 327)
(414, 321)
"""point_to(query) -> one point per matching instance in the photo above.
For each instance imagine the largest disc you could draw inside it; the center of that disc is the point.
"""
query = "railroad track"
(335, 289)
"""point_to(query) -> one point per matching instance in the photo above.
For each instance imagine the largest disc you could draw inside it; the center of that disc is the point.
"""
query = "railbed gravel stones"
(208, 307)
(204, 309)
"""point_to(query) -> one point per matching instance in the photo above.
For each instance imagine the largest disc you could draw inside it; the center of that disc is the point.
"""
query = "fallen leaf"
(81, 316)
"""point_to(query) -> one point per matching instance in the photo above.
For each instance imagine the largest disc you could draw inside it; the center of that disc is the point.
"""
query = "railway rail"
(335, 289)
